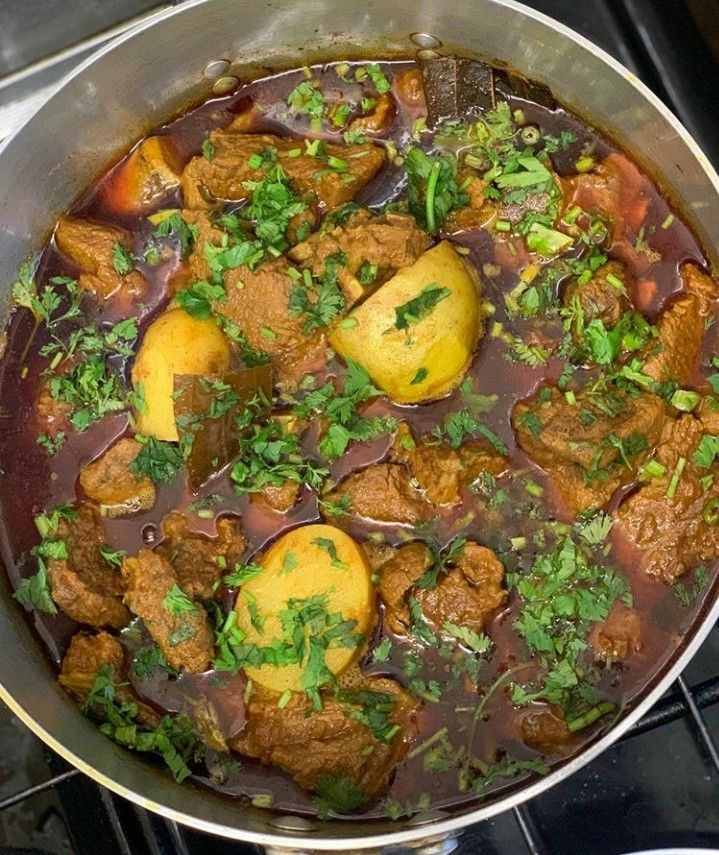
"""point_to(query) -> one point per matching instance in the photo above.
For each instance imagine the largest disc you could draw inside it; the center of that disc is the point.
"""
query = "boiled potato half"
(313, 561)
(175, 343)
(415, 335)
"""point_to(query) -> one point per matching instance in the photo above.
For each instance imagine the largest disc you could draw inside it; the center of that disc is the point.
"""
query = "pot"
(181, 56)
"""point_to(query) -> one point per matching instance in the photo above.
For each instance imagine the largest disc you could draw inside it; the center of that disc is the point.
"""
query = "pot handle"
(429, 846)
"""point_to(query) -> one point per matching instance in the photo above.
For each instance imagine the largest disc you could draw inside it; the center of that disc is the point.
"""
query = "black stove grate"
(659, 785)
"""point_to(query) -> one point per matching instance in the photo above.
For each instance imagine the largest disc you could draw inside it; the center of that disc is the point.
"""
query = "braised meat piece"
(224, 177)
(665, 518)
(383, 492)
(110, 482)
(314, 744)
(53, 416)
(278, 498)
(375, 246)
(468, 594)
(85, 656)
(465, 595)
(619, 636)
(590, 447)
(179, 626)
(196, 559)
(546, 731)
(442, 471)
(615, 189)
(478, 213)
(708, 414)
(601, 298)
(85, 585)
(398, 575)
(674, 355)
(258, 301)
(94, 248)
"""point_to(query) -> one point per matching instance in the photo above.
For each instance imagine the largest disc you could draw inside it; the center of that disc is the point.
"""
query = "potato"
(175, 343)
(312, 560)
(419, 350)
(148, 174)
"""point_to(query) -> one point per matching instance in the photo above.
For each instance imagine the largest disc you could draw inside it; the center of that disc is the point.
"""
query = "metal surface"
(101, 109)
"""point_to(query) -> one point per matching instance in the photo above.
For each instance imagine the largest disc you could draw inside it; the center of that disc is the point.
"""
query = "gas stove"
(658, 787)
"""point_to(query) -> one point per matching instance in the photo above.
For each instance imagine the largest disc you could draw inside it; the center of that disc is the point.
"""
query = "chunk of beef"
(258, 302)
(378, 553)
(600, 298)
(92, 246)
(196, 559)
(84, 585)
(546, 731)
(616, 189)
(593, 446)
(313, 744)
(465, 595)
(409, 88)
(468, 594)
(708, 414)
(224, 178)
(52, 415)
(383, 492)
(85, 656)
(398, 575)
(617, 637)
(374, 122)
(110, 482)
(670, 530)
(280, 498)
(675, 354)
(384, 241)
(182, 631)
(479, 212)
(442, 471)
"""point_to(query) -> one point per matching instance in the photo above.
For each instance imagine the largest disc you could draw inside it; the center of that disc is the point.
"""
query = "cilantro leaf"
(432, 188)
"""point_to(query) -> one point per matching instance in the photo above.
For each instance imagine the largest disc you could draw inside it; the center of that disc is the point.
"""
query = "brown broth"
(33, 482)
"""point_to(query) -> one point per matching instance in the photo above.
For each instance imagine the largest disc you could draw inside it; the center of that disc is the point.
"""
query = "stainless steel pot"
(148, 75)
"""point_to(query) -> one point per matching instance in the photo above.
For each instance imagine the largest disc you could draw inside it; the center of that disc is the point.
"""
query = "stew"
(360, 440)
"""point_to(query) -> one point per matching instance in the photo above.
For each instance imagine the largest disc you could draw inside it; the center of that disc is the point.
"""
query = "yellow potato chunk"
(415, 335)
(175, 343)
(314, 564)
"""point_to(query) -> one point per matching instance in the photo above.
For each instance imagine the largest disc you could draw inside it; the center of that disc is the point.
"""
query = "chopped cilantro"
(122, 259)
(338, 795)
(159, 460)
(419, 307)
(432, 188)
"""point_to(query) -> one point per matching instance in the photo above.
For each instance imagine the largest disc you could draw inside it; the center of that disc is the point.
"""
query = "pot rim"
(432, 829)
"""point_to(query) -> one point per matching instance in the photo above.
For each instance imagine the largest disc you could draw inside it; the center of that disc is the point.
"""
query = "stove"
(658, 787)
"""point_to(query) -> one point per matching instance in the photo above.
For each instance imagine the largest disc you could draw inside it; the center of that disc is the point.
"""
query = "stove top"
(658, 788)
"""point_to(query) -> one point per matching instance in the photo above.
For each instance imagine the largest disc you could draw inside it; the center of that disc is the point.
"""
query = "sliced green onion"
(653, 469)
(431, 191)
(710, 511)
(590, 716)
(676, 475)
(615, 282)
(668, 221)
(570, 397)
(572, 215)
(684, 400)
(503, 226)
(585, 163)
(530, 135)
